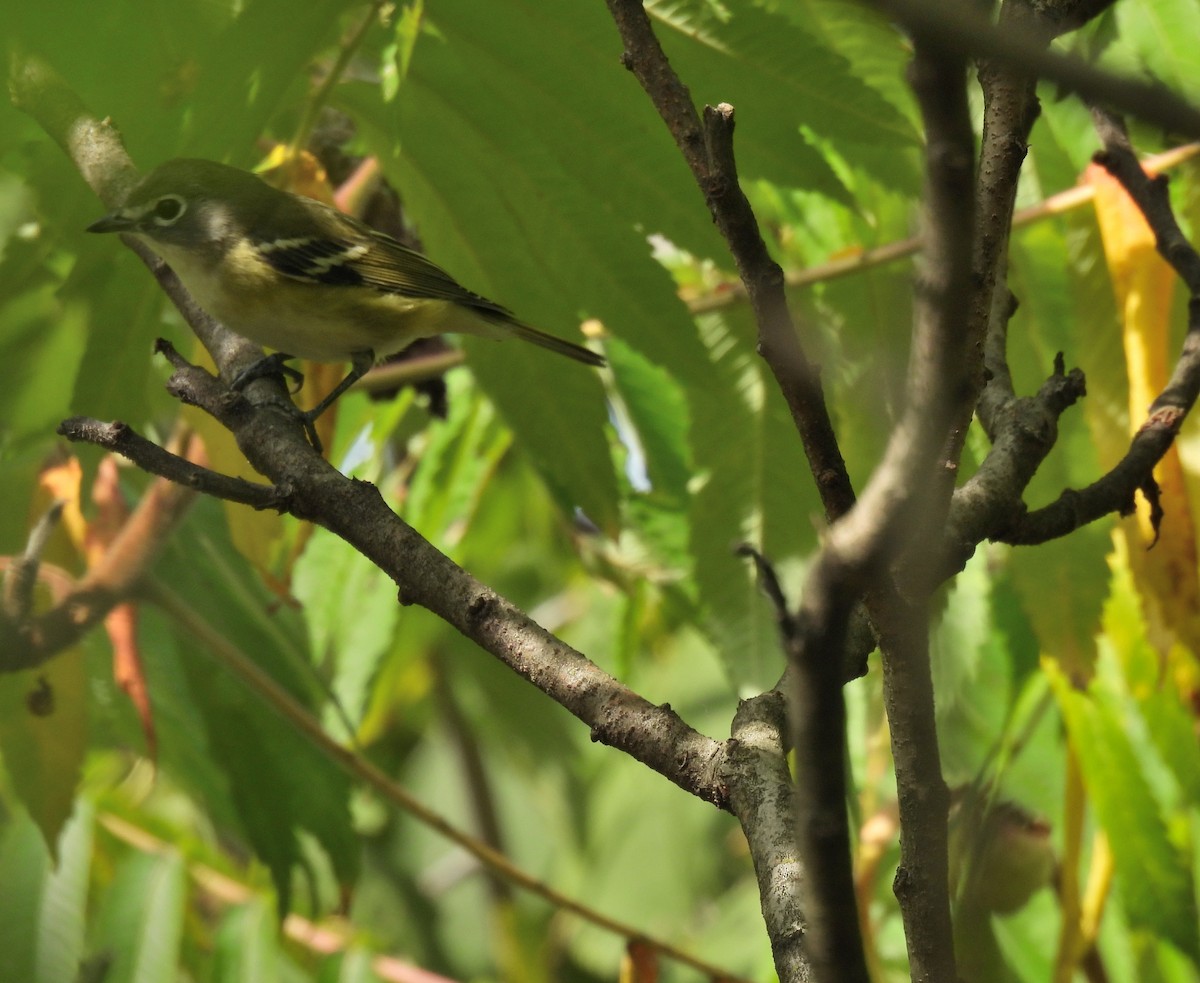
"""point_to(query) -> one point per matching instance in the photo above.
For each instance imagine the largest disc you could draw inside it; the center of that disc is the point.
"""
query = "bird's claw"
(269, 365)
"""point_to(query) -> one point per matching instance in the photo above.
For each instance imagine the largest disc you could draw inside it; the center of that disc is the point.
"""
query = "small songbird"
(300, 277)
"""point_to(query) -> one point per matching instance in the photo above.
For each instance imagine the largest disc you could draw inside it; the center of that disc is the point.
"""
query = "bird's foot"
(275, 364)
(269, 365)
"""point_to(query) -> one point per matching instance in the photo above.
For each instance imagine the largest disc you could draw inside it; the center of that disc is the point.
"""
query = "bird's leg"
(358, 368)
(275, 364)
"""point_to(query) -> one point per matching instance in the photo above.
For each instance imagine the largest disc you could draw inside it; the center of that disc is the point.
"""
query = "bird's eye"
(168, 209)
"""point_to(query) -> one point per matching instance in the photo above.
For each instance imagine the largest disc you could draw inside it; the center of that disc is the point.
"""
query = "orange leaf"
(639, 964)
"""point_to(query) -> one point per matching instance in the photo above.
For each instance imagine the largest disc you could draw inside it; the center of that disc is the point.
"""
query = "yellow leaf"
(1166, 576)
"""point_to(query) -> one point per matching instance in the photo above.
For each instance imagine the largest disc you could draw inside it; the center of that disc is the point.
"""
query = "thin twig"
(346, 52)
(1116, 490)
(124, 440)
(1026, 430)
(707, 147)
(20, 576)
(110, 581)
(908, 497)
(966, 29)
(730, 294)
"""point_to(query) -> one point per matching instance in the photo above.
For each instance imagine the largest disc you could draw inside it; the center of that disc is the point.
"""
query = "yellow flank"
(247, 296)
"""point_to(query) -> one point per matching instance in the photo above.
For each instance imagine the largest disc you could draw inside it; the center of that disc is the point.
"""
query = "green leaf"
(1159, 35)
(351, 966)
(658, 417)
(541, 90)
(774, 71)
(1139, 678)
(397, 56)
(970, 673)
(43, 737)
(872, 48)
(1155, 876)
(457, 459)
(246, 73)
(757, 489)
(141, 918)
(1062, 585)
(42, 909)
(39, 338)
(578, 172)
(247, 945)
(279, 783)
(24, 867)
(624, 827)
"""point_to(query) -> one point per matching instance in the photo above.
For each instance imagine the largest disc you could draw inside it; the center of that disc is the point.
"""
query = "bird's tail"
(555, 344)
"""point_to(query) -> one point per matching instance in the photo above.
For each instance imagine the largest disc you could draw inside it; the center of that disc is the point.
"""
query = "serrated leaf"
(1167, 712)
(456, 462)
(1155, 877)
(578, 170)
(873, 49)
(24, 867)
(970, 674)
(61, 927)
(771, 69)
(757, 489)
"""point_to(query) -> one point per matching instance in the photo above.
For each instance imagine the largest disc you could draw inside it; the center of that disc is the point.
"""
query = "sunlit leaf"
(1155, 883)
(1144, 283)
(762, 60)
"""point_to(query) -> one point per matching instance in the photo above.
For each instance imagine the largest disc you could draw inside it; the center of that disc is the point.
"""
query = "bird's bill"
(115, 222)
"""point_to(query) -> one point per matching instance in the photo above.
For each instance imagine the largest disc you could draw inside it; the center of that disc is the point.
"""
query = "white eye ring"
(168, 210)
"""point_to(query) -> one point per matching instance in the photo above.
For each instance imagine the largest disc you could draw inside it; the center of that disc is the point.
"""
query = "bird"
(301, 278)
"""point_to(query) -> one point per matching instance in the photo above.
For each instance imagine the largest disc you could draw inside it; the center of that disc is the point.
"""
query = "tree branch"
(1010, 109)
(707, 147)
(763, 797)
(124, 440)
(967, 30)
(21, 573)
(274, 443)
(107, 583)
(1025, 431)
(818, 731)
(910, 496)
(1115, 491)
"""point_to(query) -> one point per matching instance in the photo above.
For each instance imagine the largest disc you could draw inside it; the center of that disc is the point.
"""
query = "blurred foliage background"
(162, 841)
